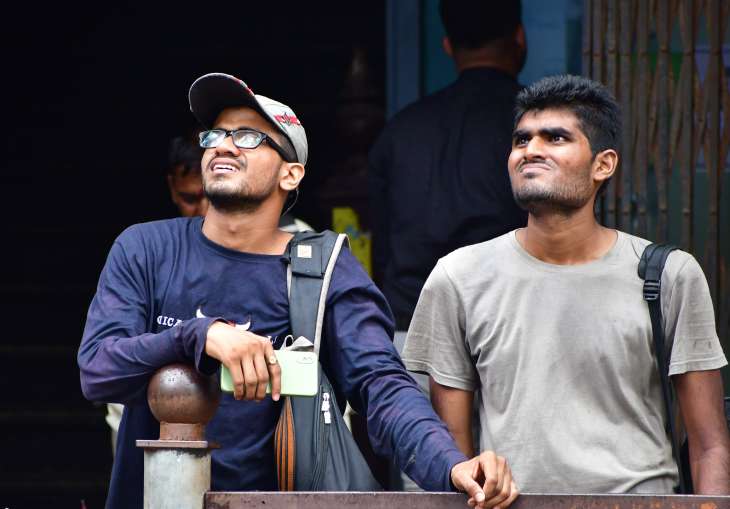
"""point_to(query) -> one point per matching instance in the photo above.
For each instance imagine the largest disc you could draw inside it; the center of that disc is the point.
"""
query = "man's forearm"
(116, 368)
(711, 472)
(454, 407)
(700, 395)
(405, 426)
(464, 440)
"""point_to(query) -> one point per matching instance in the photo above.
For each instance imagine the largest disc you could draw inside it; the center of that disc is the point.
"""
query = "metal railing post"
(177, 466)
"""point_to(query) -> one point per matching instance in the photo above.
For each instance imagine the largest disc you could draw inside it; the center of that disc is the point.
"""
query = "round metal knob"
(183, 401)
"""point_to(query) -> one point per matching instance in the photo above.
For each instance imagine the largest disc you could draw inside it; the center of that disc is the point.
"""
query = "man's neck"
(476, 63)
(566, 240)
(493, 57)
(249, 232)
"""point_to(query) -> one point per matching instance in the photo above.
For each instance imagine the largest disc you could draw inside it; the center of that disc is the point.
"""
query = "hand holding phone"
(250, 358)
(299, 374)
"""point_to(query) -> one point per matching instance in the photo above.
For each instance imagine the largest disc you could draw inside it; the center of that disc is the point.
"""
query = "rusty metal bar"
(611, 80)
(687, 152)
(723, 299)
(712, 143)
(598, 27)
(597, 66)
(677, 111)
(661, 161)
(586, 51)
(389, 500)
(725, 91)
(631, 153)
(625, 88)
(642, 115)
(675, 87)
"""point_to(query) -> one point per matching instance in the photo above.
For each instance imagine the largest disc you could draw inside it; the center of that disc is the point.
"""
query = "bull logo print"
(240, 326)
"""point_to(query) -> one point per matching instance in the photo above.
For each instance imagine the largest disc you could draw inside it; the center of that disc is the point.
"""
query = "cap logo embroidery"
(287, 119)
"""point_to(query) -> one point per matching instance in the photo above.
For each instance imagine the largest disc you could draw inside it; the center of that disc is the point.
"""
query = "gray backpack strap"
(312, 260)
(314, 450)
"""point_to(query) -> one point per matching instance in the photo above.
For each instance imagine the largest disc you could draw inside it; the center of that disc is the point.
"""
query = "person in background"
(437, 179)
(436, 175)
(184, 178)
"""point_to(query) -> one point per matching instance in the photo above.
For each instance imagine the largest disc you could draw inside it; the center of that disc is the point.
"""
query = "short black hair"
(598, 113)
(184, 155)
(471, 24)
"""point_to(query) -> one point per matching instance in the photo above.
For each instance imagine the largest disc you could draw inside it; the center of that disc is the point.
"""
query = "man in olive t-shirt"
(548, 323)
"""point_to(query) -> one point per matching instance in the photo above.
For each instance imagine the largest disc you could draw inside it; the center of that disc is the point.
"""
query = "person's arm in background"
(379, 161)
(700, 395)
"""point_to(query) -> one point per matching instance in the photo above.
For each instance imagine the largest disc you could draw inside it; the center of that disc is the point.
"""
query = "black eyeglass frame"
(264, 138)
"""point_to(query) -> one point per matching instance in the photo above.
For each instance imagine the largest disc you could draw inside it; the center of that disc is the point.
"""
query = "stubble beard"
(564, 198)
(235, 196)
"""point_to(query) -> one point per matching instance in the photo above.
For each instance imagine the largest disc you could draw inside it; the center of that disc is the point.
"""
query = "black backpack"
(315, 450)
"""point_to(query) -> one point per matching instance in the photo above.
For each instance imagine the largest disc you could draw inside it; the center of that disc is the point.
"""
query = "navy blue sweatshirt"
(163, 285)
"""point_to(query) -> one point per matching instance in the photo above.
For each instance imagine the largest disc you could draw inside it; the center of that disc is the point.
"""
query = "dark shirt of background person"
(438, 173)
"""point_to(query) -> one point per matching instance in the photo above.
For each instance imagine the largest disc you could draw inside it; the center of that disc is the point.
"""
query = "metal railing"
(403, 500)
(177, 466)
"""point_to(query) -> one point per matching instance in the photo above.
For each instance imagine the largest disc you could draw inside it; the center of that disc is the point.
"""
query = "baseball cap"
(212, 93)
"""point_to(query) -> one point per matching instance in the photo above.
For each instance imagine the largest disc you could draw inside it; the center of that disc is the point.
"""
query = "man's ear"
(604, 165)
(170, 185)
(448, 48)
(520, 37)
(291, 174)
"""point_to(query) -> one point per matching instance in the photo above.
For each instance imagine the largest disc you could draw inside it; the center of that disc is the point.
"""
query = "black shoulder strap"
(311, 260)
(650, 270)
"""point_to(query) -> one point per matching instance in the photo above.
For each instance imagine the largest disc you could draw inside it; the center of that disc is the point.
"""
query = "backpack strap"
(312, 257)
(650, 270)
(311, 260)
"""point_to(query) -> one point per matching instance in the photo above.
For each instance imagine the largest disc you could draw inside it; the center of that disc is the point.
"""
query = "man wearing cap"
(212, 291)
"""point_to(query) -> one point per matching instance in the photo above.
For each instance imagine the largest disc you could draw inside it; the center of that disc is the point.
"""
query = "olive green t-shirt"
(563, 360)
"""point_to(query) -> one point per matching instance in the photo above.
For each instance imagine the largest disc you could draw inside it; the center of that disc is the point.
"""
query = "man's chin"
(232, 201)
(543, 201)
(532, 195)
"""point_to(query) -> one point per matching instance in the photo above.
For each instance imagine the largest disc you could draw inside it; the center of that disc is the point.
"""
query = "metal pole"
(175, 477)
(177, 466)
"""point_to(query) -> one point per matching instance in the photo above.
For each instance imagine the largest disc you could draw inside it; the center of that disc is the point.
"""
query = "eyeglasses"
(242, 138)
